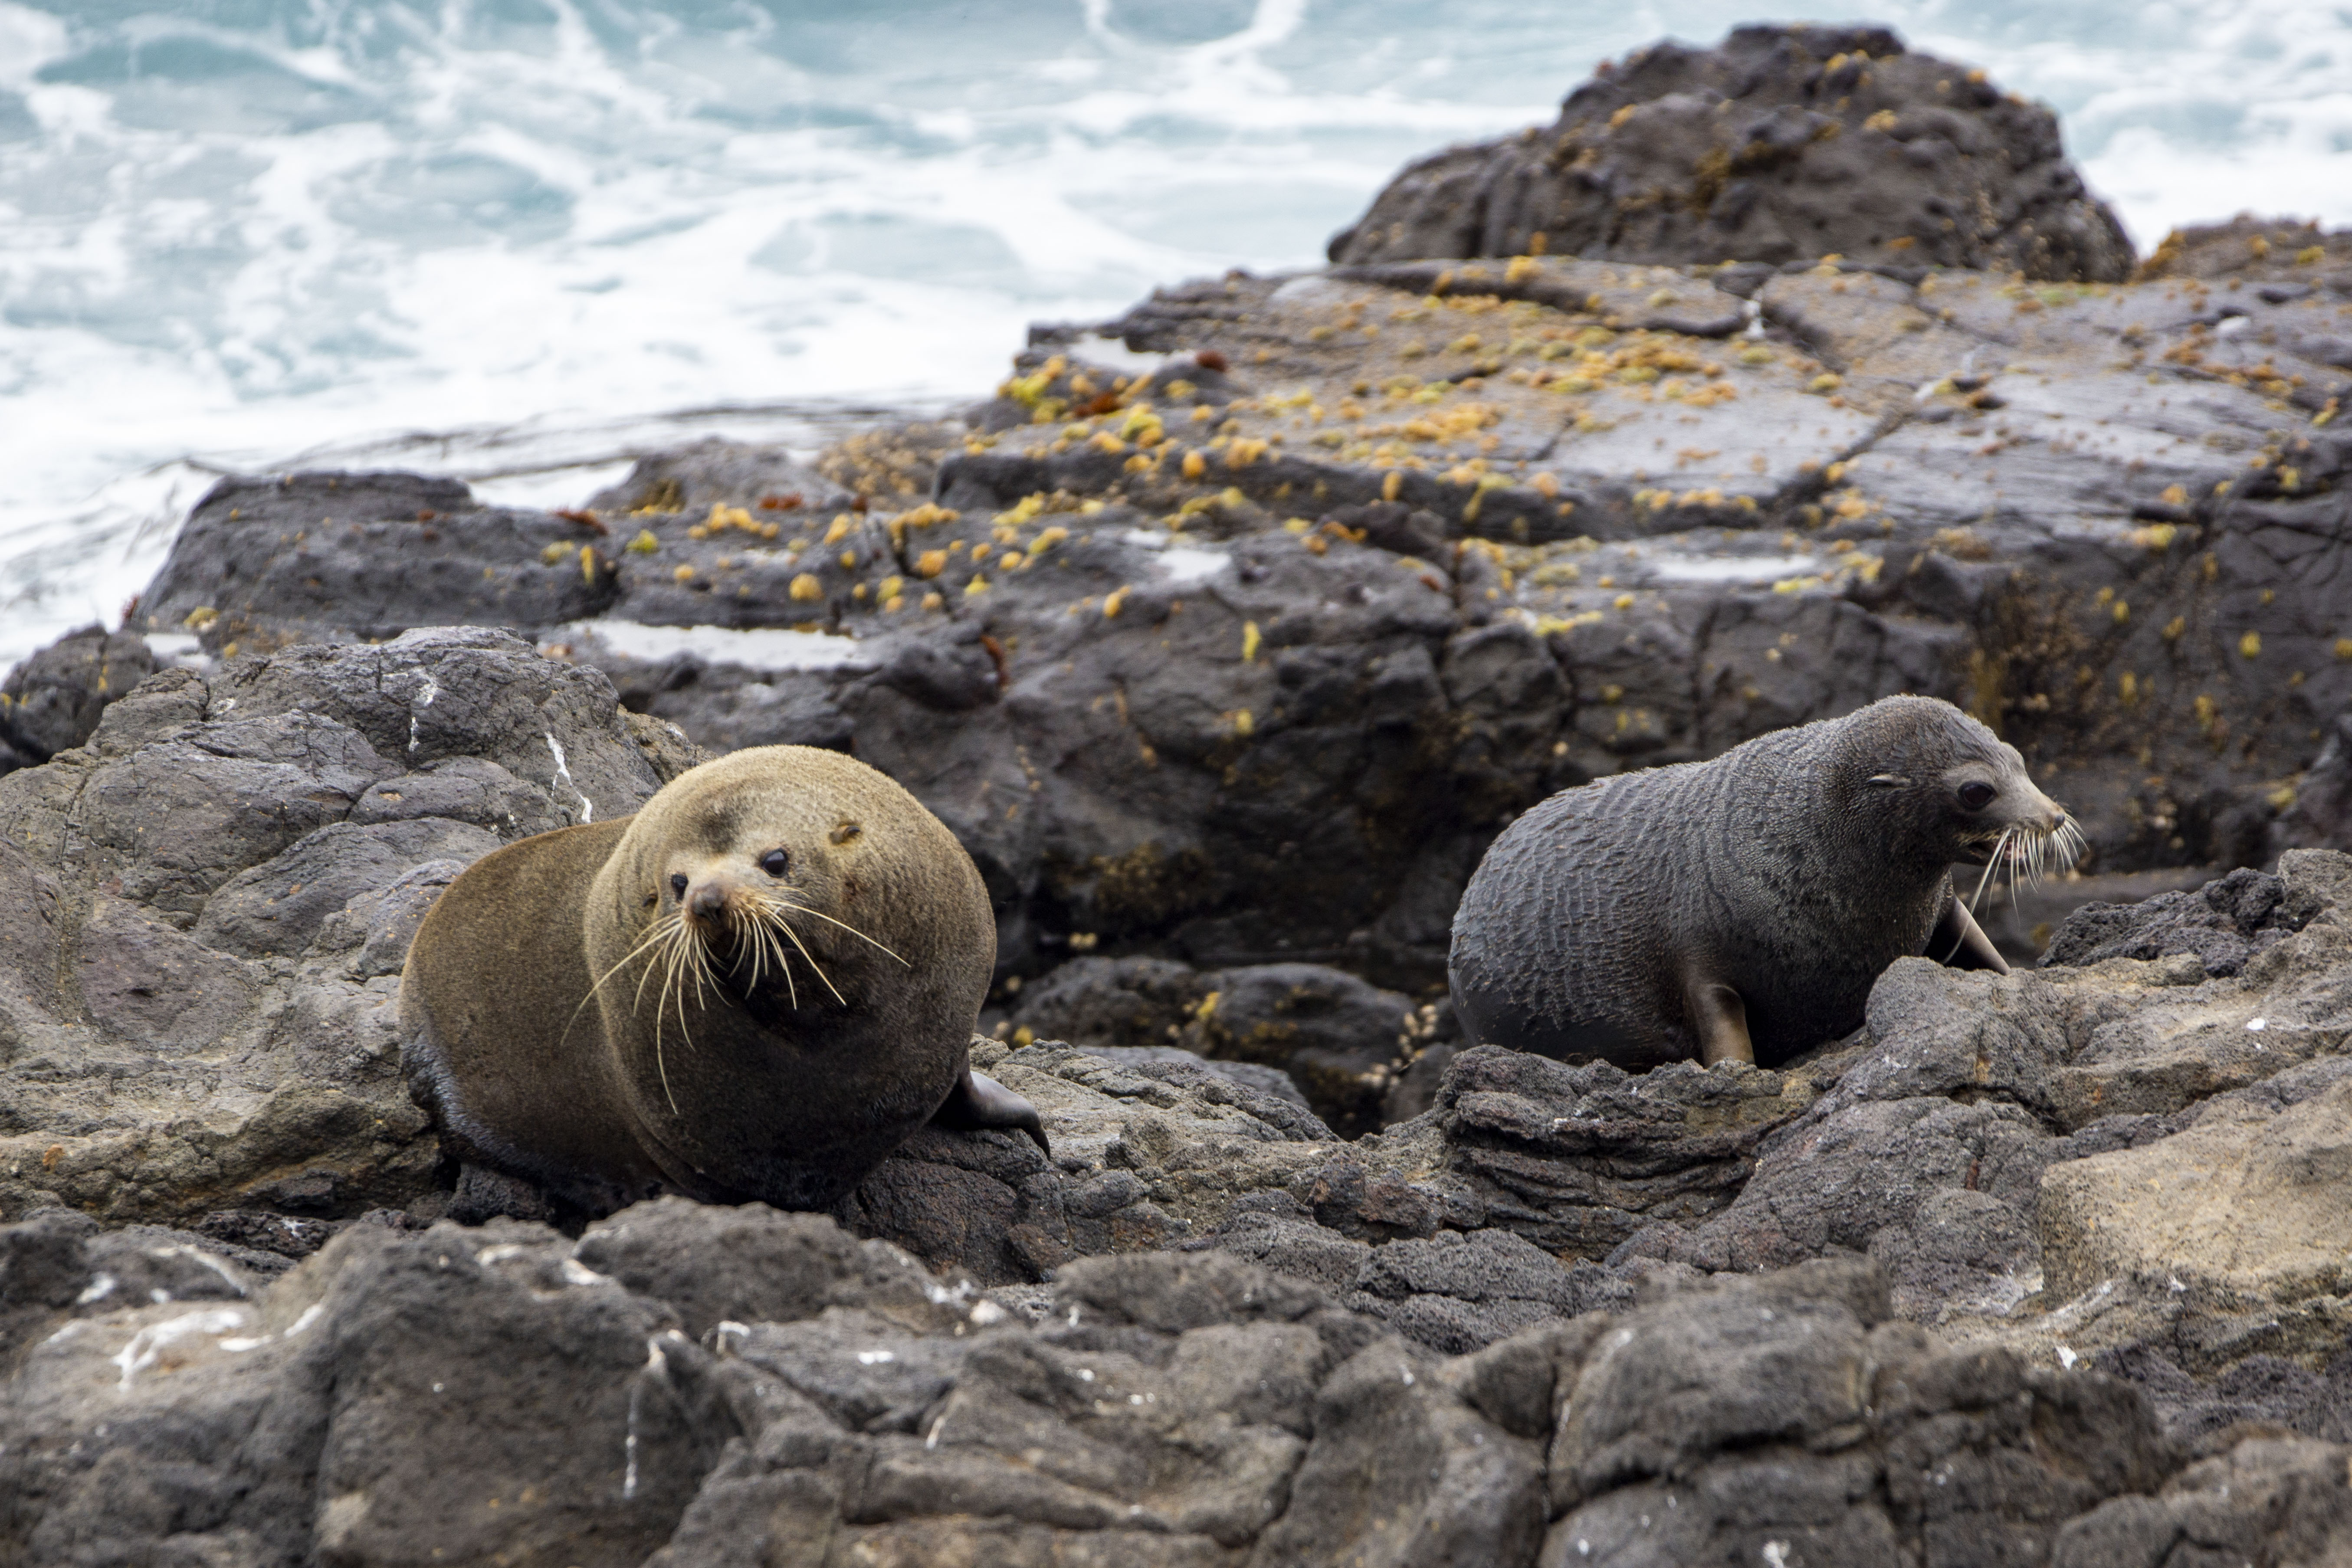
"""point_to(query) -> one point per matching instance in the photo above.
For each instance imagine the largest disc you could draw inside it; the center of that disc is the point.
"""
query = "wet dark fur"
(1778, 865)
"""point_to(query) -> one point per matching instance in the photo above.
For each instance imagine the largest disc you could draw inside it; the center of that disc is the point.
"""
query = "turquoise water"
(517, 240)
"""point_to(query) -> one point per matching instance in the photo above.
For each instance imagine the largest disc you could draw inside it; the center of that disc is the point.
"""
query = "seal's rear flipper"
(979, 1100)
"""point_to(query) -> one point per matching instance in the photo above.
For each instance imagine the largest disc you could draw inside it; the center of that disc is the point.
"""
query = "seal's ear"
(1889, 781)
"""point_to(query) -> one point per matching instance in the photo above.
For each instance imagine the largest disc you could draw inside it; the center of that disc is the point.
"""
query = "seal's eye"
(1977, 794)
(678, 885)
(775, 862)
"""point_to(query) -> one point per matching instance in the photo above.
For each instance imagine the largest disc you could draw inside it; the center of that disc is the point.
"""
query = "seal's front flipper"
(1719, 1018)
(1960, 942)
(979, 1100)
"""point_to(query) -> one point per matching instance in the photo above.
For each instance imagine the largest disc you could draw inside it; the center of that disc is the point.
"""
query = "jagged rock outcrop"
(719, 1387)
(205, 910)
(52, 699)
(1781, 142)
(1290, 745)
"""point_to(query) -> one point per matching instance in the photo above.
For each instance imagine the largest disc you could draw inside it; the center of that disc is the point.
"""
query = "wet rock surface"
(743, 1386)
(1241, 662)
(1224, 652)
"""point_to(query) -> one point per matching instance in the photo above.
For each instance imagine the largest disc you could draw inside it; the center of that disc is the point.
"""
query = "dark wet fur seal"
(1740, 909)
(754, 988)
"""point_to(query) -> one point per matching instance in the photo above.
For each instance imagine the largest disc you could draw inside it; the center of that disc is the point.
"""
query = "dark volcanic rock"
(203, 909)
(2289, 257)
(2260, 1390)
(841, 1402)
(2222, 925)
(1205, 1332)
(1780, 144)
(53, 698)
(1123, 1002)
(1253, 1075)
(762, 480)
(306, 554)
(1338, 1040)
(1247, 665)
(2321, 815)
(1578, 1158)
(1226, 669)
(1455, 1293)
(2267, 1500)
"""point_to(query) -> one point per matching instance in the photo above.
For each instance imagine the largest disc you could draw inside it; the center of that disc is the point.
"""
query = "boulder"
(1341, 1042)
(2266, 1499)
(205, 910)
(2223, 924)
(1778, 143)
(2240, 1215)
(51, 700)
(263, 562)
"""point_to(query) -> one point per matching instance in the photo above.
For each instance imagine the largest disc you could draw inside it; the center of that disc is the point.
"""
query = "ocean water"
(519, 241)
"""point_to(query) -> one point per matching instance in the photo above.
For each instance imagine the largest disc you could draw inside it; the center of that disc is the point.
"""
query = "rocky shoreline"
(1771, 379)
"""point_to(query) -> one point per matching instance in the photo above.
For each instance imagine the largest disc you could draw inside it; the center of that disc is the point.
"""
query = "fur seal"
(754, 988)
(1738, 910)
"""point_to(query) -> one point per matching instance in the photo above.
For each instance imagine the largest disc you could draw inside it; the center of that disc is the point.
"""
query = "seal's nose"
(2042, 812)
(706, 902)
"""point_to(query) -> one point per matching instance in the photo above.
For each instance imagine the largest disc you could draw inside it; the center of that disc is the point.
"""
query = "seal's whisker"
(1991, 860)
(625, 960)
(763, 932)
(783, 967)
(698, 953)
(661, 935)
(804, 910)
(750, 950)
(2073, 844)
(762, 944)
(661, 1005)
(785, 927)
(684, 960)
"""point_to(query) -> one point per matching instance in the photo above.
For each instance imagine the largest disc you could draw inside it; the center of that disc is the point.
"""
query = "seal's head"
(1944, 788)
(740, 903)
(786, 938)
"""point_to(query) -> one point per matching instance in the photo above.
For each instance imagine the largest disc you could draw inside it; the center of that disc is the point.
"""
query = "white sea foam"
(767, 647)
(523, 243)
(1731, 568)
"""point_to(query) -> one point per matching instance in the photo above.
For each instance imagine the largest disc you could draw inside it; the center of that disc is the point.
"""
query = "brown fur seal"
(1738, 910)
(754, 988)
